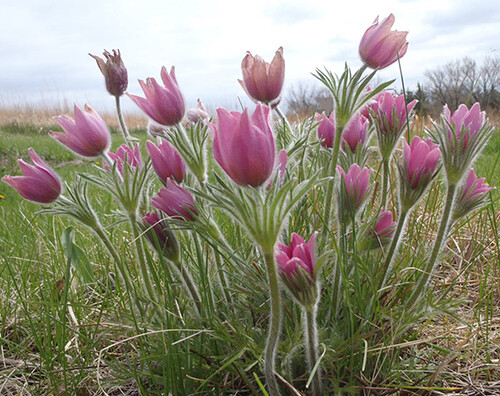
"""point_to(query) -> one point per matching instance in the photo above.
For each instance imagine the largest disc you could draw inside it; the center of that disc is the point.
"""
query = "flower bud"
(160, 236)
(166, 160)
(355, 132)
(197, 114)
(39, 183)
(380, 47)
(164, 105)
(125, 155)
(263, 81)
(297, 267)
(352, 190)
(114, 72)
(244, 146)
(326, 129)
(471, 196)
(86, 135)
(175, 202)
(377, 235)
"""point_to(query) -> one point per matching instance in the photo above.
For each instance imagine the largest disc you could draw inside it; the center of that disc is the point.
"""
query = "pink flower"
(474, 188)
(355, 132)
(298, 254)
(244, 146)
(114, 72)
(421, 158)
(87, 135)
(326, 129)
(465, 123)
(165, 105)
(263, 81)
(39, 183)
(166, 160)
(385, 227)
(356, 182)
(380, 47)
(390, 110)
(175, 202)
(125, 155)
(197, 114)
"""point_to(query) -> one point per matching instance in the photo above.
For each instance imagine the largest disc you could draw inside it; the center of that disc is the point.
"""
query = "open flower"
(380, 47)
(166, 160)
(125, 155)
(175, 202)
(39, 182)
(326, 129)
(244, 146)
(297, 266)
(114, 72)
(164, 105)
(86, 135)
(263, 81)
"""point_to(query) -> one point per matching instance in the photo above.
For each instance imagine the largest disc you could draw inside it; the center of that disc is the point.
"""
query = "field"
(65, 334)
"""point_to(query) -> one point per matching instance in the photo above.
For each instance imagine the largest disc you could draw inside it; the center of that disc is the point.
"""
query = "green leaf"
(77, 257)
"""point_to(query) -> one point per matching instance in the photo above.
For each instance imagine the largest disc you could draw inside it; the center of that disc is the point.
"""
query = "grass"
(62, 335)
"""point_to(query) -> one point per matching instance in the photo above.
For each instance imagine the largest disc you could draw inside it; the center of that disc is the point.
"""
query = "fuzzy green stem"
(274, 324)
(311, 339)
(404, 96)
(121, 120)
(140, 256)
(385, 182)
(430, 265)
(330, 184)
(389, 258)
(190, 285)
(283, 117)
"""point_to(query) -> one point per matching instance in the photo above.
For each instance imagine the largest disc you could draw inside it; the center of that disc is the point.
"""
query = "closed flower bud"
(380, 47)
(164, 105)
(326, 129)
(166, 160)
(86, 135)
(175, 202)
(471, 196)
(352, 190)
(160, 236)
(197, 114)
(39, 183)
(114, 72)
(263, 81)
(244, 146)
(297, 267)
(355, 132)
(377, 235)
(417, 169)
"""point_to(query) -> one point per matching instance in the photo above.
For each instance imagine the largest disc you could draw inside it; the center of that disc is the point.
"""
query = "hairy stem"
(274, 324)
(311, 341)
(430, 265)
(385, 182)
(283, 117)
(121, 120)
(190, 285)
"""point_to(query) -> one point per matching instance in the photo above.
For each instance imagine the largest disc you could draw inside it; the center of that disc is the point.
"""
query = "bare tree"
(305, 99)
(463, 81)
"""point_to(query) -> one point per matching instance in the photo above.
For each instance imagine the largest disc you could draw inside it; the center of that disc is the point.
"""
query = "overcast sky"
(45, 44)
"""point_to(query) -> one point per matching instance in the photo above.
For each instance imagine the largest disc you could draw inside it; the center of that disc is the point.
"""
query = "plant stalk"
(190, 285)
(385, 182)
(121, 120)
(311, 338)
(274, 324)
(441, 237)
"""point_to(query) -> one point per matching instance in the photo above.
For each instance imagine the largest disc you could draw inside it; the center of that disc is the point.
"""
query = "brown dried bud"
(114, 71)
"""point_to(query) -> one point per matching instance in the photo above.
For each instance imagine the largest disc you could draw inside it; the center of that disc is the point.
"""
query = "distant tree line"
(459, 81)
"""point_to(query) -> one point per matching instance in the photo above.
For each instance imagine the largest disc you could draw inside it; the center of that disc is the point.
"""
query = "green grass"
(60, 335)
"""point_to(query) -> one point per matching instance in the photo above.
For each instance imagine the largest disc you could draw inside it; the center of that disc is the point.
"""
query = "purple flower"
(355, 132)
(39, 183)
(166, 160)
(165, 105)
(244, 146)
(385, 227)
(465, 123)
(326, 129)
(263, 81)
(175, 202)
(421, 158)
(87, 135)
(114, 72)
(298, 254)
(125, 155)
(356, 182)
(474, 187)
(380, 47)
(160, 235)
(390, 111)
